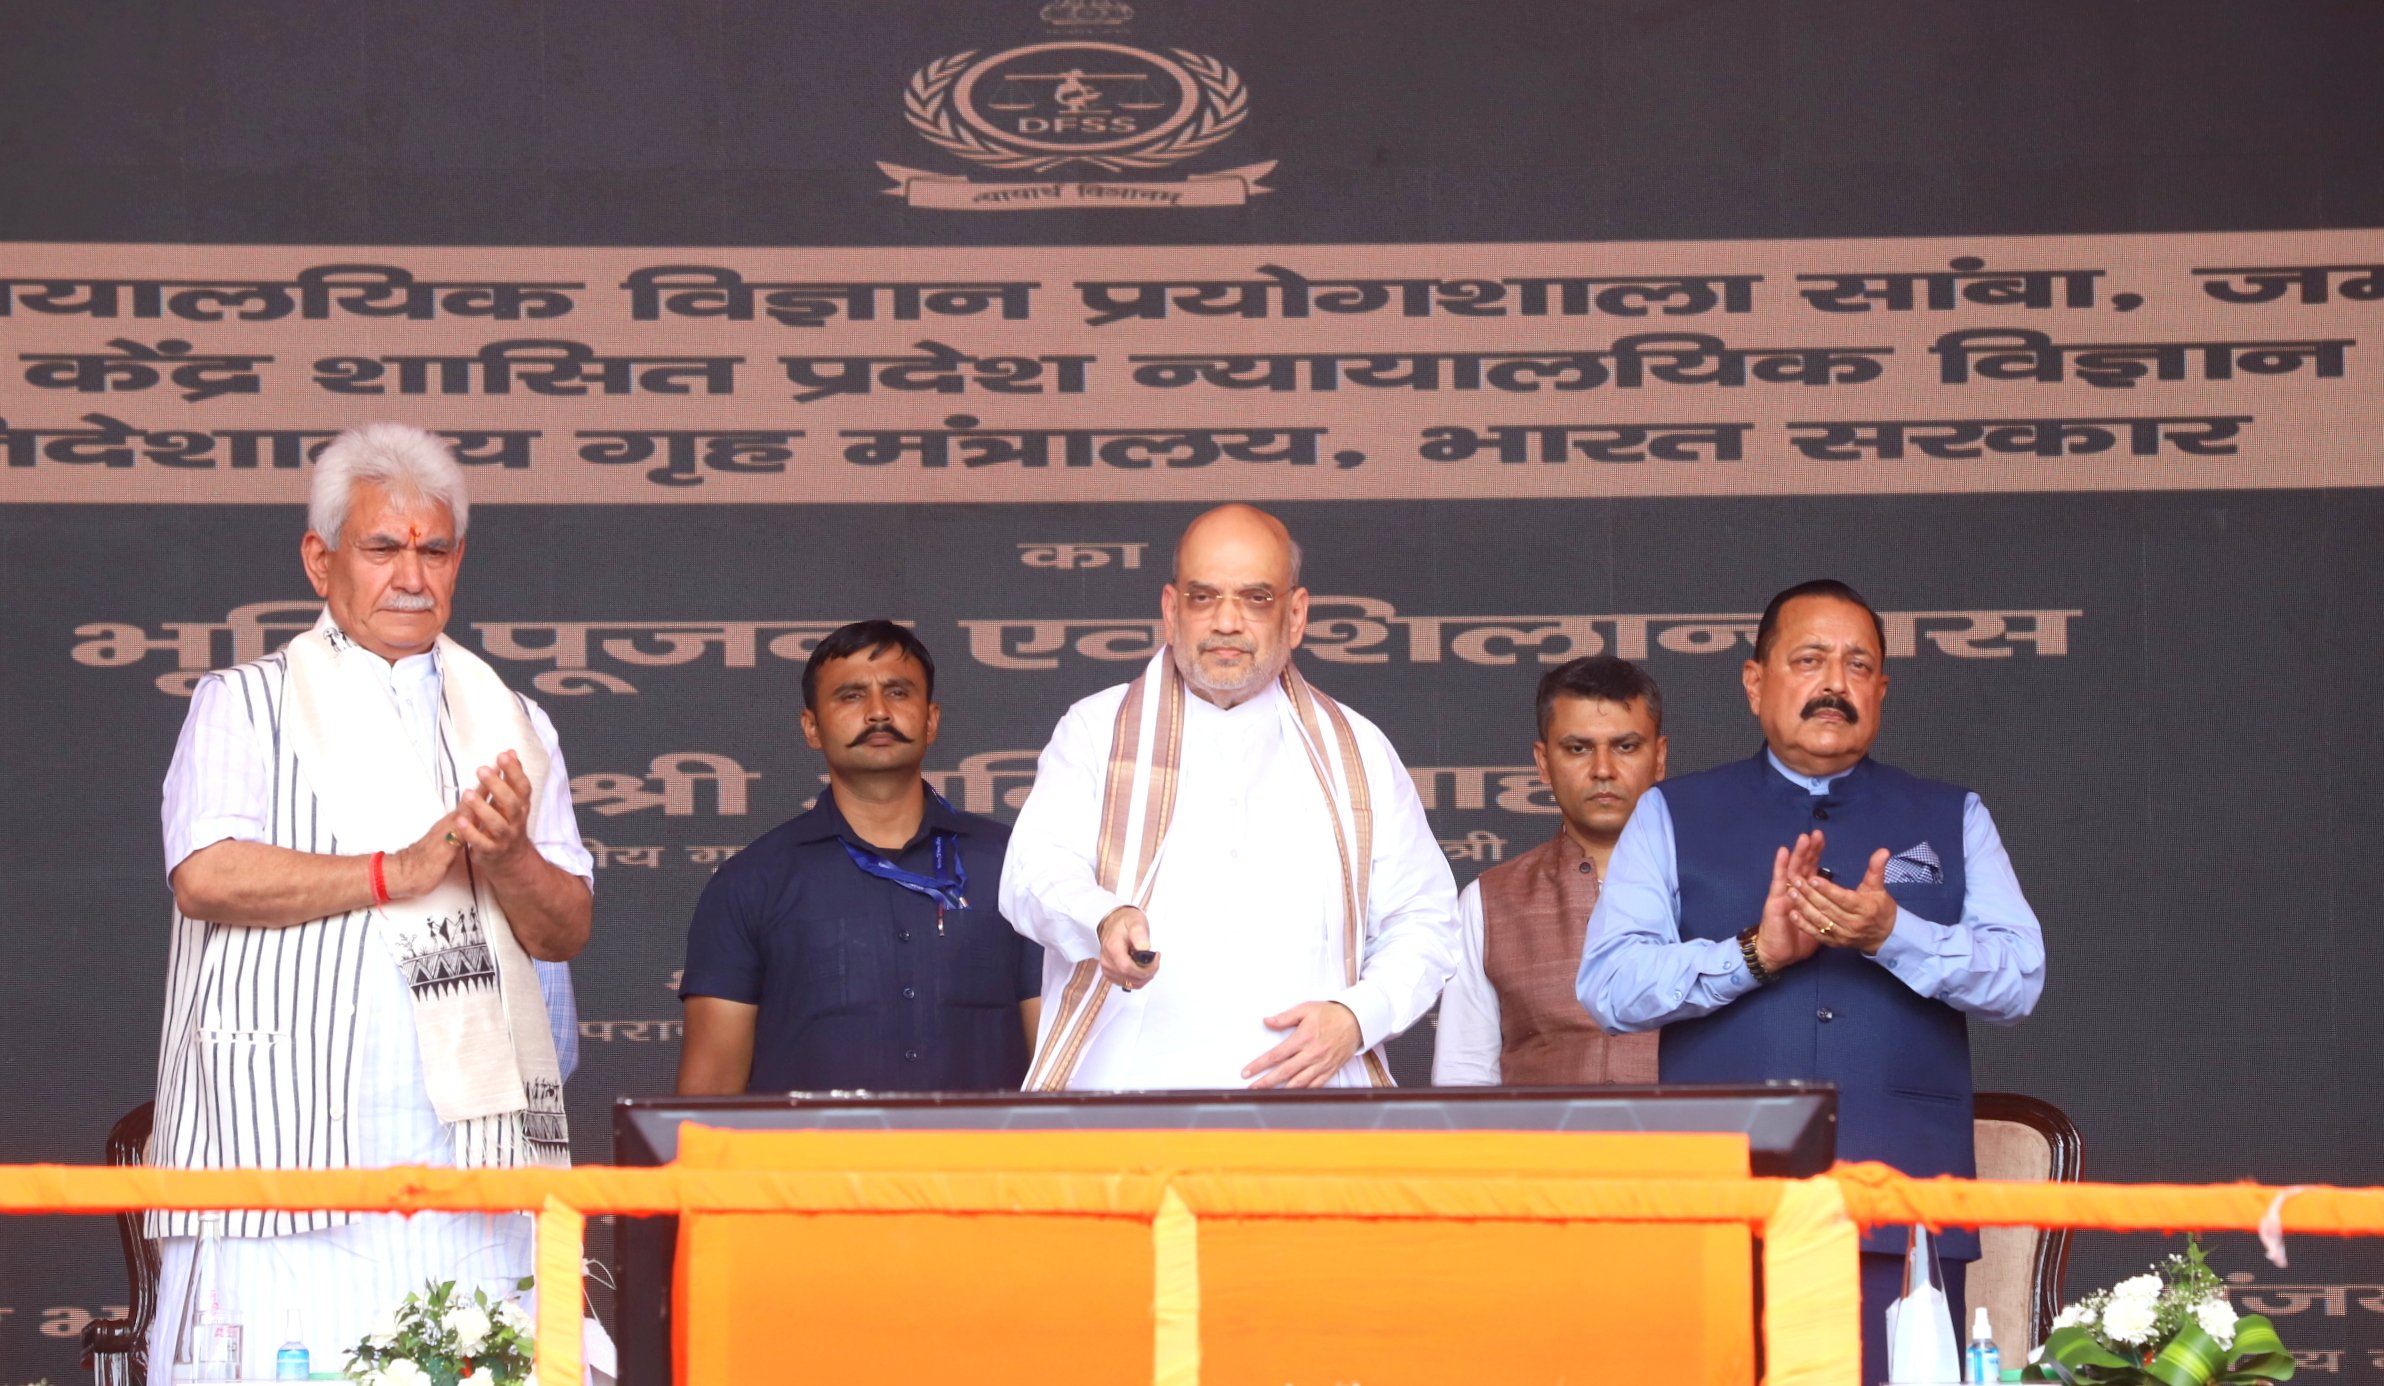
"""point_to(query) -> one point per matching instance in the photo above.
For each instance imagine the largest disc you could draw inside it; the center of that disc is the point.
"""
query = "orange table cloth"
(1218, 1257)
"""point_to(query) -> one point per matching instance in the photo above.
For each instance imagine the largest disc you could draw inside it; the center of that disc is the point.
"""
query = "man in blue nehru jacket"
(1811, 913)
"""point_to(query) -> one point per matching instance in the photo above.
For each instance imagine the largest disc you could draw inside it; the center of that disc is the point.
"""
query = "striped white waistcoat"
(259, 1054)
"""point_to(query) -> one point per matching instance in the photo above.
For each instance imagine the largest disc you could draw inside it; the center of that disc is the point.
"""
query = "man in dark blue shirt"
(858, 945)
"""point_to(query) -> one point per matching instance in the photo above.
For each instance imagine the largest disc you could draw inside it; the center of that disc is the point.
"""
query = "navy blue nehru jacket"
(860, 984)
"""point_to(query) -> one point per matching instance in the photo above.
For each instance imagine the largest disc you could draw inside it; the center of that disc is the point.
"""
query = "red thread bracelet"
(380, 883)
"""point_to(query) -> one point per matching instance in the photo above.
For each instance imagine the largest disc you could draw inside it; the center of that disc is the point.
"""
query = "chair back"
(117, 1350)
(2017, 1277)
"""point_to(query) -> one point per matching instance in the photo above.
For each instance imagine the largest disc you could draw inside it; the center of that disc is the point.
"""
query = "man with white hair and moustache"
(1230, 873)
(369, 839)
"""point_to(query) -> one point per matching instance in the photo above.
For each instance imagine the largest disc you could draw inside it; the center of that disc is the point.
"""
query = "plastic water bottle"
(211, 1336)
(291, 1362)
(1985, 1360)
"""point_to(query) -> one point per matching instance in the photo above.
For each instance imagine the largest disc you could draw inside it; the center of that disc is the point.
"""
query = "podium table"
(1333, 1236)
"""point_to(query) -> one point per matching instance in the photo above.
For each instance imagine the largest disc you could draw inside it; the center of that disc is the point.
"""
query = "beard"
(1256, 671)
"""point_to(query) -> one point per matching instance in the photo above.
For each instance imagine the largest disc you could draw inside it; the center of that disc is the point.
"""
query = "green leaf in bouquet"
(2191, 1358)
(2072, 1357)
(2259, 1354)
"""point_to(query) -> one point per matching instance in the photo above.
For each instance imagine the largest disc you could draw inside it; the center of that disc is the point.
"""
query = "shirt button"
(1585, 868)
(903, 936)
(1825, 1015)
(910, 993)
(911, 1055)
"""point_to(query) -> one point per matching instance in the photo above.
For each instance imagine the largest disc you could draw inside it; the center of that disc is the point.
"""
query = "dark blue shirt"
(858, 985)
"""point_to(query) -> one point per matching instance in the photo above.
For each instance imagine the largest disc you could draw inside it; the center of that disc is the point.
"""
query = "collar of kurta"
(1257, 710)
(1844, 785)
(404, 669)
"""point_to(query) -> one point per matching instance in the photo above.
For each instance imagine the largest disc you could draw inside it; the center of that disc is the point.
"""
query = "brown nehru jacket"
(1535, 913)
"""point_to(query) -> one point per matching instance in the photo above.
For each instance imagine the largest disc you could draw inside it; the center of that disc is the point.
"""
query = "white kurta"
(1246, 911)
(338, 1282)
(1468, 1044)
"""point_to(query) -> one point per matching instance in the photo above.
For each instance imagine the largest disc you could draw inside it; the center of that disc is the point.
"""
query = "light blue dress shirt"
(1638, 974)
(562, 1012)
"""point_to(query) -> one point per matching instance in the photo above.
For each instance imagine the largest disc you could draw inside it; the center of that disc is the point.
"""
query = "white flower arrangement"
(469, 1323)
(2218, 1319)
(440, 1338)
(2129, 1320)
(401, 1371)
(2143, 1289)
(2172, 1325)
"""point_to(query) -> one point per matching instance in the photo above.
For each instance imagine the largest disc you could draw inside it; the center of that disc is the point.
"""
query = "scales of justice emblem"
(1074, 107)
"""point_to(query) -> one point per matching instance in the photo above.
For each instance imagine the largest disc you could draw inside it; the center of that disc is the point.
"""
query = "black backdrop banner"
(1550, 329)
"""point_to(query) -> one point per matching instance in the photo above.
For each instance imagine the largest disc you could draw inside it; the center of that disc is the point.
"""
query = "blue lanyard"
(949, 893)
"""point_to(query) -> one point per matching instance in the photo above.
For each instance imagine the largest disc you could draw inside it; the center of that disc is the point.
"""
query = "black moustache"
(1831, 702)
(864, 736)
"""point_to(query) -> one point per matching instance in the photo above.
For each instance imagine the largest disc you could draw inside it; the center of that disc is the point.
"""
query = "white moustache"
(407, 601)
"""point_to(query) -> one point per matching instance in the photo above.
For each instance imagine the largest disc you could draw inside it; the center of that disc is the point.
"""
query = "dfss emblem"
(1076, 105)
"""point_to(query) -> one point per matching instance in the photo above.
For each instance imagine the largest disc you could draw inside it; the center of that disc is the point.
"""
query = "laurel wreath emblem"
(926, 104)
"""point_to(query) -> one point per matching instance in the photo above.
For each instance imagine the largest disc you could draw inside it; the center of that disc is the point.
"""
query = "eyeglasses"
(1256, 601)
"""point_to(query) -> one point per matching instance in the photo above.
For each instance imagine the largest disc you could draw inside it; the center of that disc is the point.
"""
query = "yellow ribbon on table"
(561, 1231)
(1812, 1296)
(1175, 1293)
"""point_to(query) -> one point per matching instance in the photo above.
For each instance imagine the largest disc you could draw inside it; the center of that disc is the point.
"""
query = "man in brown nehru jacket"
(1510, 1016)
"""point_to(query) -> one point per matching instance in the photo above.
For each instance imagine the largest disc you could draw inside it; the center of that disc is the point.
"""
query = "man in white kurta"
(1214, 833)
(324, 1063)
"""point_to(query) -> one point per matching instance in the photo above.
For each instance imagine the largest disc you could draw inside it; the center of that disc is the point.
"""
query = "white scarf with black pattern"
(478, 1013)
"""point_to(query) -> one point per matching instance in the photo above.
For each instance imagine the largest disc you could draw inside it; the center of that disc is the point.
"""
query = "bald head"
(1240, 532)
(1235, 610)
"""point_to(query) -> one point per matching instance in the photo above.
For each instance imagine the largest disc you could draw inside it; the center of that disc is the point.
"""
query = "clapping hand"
(1835, 917)
(1780, 940)
(417, 870)
(494, 819)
